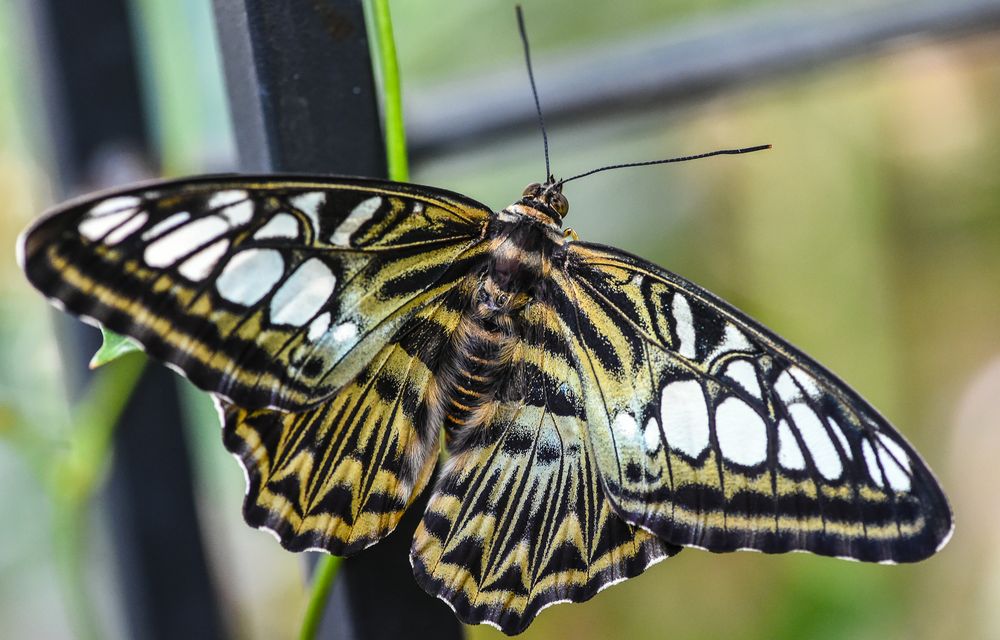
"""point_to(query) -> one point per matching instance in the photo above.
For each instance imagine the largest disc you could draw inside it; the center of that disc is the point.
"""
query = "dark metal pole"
(301, 89)
(684, 64)
(100, 136)
(302, 96)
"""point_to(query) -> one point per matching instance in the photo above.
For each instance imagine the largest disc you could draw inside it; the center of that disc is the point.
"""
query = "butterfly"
(599, 413)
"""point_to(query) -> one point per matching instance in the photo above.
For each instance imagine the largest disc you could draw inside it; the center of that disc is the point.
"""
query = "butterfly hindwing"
(519, 519)
(712, 432)
(339, 476)
(271, 292)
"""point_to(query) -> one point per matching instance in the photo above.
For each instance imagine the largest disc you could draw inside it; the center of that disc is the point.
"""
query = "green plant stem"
(387, 70)
(96, 415)
(69, 520)
(75, 477)
(387, 67)
(323, 576)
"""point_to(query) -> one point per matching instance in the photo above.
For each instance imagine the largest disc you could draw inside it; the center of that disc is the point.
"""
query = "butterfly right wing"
(269, 291)
(714, 432)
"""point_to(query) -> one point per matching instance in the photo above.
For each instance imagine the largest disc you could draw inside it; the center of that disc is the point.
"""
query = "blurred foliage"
(869, 236)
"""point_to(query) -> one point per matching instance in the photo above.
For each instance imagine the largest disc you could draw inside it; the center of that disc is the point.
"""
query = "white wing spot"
(359, 215)
(249, 275)
(319, 327)
(744, 374)
(127, 229)
(871, 462)
(821, 448)
(651, 436)
(114, 205)
(741, 431)
(303, 294)
(626, 427)
(732, 340)
(897, 473)
(282, 225)
(200, 265)
(221, 199)
(233, 204)
(309, 204)
(166, 224)
(841, 437)
(807, 381)
(787, 390)
(789, 454)
(174, 245)
(345, 332)
(96, 228)
(238, 214)
(684, 417)
(684, 324)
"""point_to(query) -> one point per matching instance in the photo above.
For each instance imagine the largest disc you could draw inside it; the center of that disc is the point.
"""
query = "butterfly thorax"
(476, 373)
(541, 202)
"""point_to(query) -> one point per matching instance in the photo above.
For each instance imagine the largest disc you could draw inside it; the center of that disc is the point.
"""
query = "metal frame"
(302, 97)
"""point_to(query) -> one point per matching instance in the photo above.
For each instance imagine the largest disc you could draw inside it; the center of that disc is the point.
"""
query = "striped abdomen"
(477, 369)
(471, 379)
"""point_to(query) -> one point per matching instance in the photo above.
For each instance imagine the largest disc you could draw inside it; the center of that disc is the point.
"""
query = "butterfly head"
(544, 201)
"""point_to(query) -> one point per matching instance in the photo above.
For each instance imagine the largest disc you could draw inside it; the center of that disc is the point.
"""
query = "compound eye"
(560, 204)
(532, 189)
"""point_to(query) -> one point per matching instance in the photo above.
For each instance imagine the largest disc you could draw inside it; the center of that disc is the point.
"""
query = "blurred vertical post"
(99, 128)
(302, 95)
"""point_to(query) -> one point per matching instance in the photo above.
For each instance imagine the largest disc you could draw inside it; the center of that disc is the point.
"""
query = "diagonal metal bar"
(678, 66)
(302, 96)
(300, 84)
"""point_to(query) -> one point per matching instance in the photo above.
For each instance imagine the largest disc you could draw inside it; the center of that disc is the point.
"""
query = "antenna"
(534, 89)
(720, 152)
(545, 137)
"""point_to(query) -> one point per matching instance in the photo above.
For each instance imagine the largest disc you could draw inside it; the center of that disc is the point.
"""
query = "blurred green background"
(869, 236)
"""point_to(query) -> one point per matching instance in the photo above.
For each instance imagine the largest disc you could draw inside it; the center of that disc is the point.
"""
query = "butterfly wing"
(711, 431)
(338, 477)
(310, 307)
(519, 518)
(271, 292)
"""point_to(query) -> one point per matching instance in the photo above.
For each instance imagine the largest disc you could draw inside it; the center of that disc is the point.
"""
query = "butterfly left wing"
(310, 306)
(711, 431)
(339, 476)
(269, 291)
(519, 518)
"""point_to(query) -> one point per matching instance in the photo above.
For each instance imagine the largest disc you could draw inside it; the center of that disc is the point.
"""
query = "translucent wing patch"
(271, 292)
(712, 432)
(339, 476)
(519, 519)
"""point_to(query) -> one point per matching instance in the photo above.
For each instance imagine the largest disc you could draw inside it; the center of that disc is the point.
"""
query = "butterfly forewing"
(271, 292)
(713, 432)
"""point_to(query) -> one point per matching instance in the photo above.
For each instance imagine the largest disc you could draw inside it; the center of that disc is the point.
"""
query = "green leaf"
(113, 347)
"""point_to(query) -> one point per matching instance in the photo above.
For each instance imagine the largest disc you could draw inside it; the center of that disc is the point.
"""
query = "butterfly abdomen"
(469, 379)
(475, 371)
